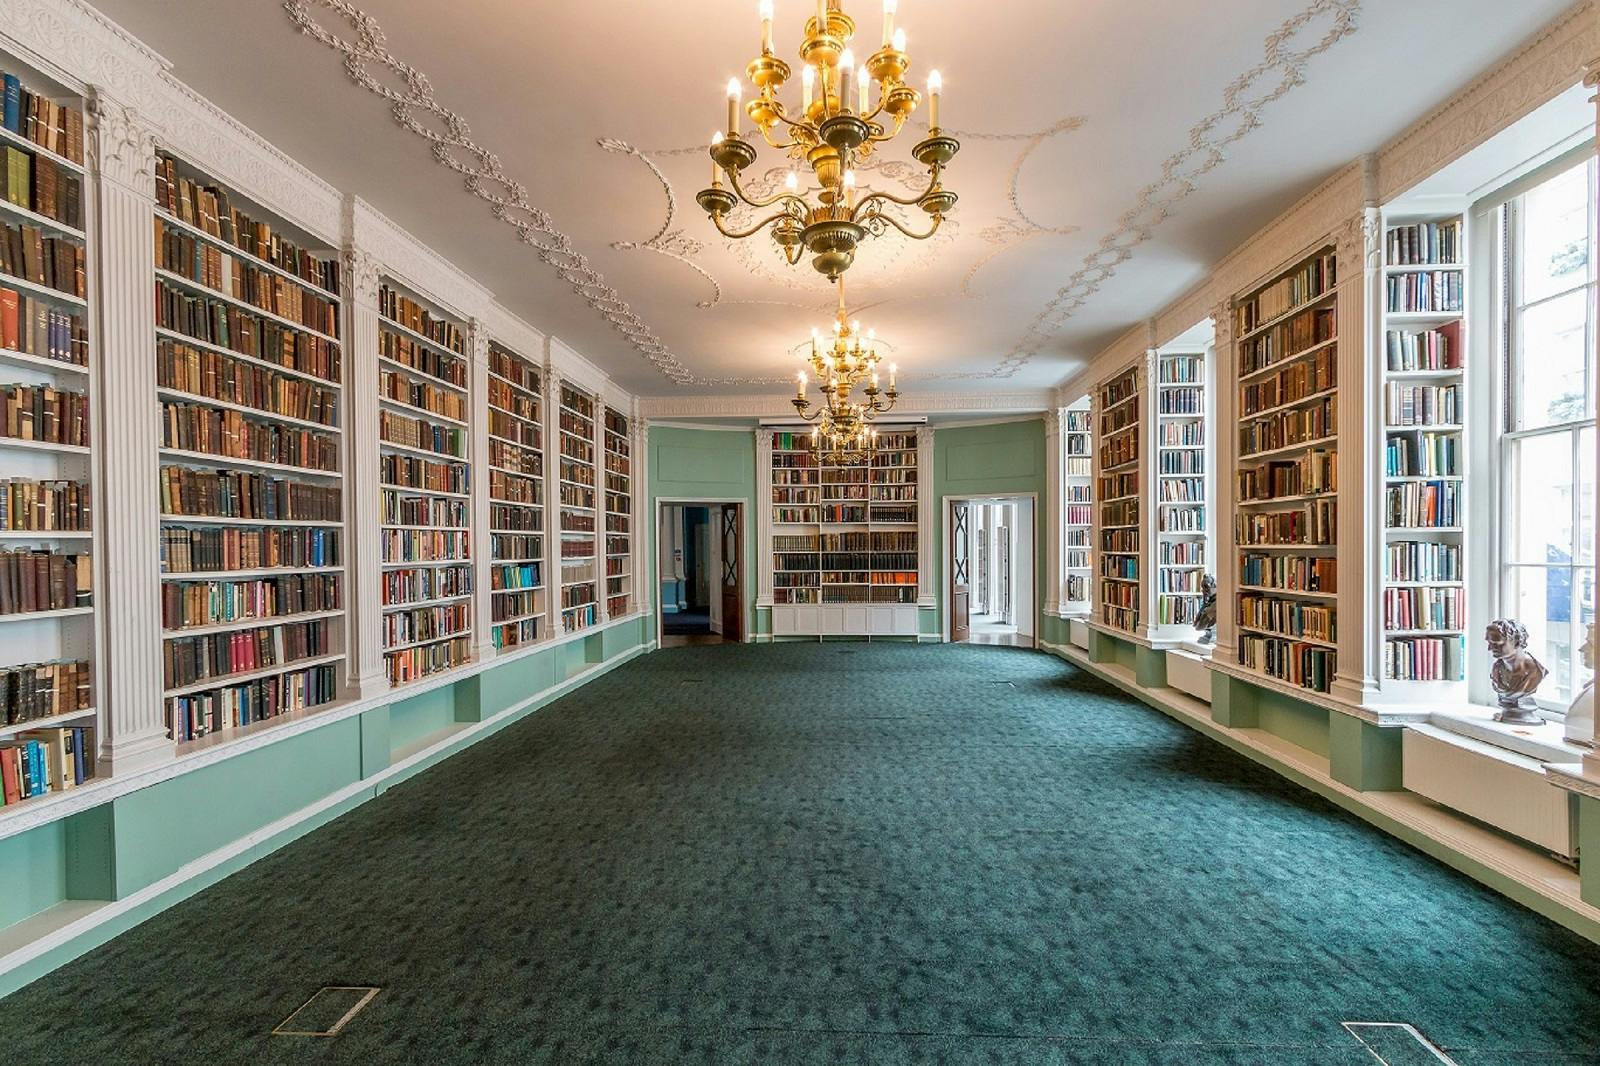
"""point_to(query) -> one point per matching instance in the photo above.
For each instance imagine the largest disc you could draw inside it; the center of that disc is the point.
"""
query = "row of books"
(37, 183)
(577, 403)
(1183, 519)
(423, 584)
(38, 579)
(577, 595)
(396, 508)
(1181, 369)
(1177, 609)
(1119, 486)
(44, 506)
(513, 488)
(54, 262)
(513, 577)
(1424, 243)
(1182, 490)
(208, 603)
(190, 660)
(1119, 451)
(408, 664)
(1291, 573)
(1291, 384)
(232, 494)
(425, 395)
(1310, 331)
(1313, 524)
(229, 707)
(1306, 665)
(1423, 505)
(1181, 553)
(31, 691)
(44, 761)
(397, 307)
(1121, 513)
(1178, 581)
(515, 459)
(516, 410)
(1078, 422)
(1181, 434)
(513, 606)
(1118, 389)
(1300, 426)
(1422, 560)
(517, 634)
(1424, 658)
(410, 472)
(1077, 588)
(214, 376)
(210, 267)
(1316, 277)
(35, 117)
(422, 434)
(34, 326)
(1181, 401)
(1430, 290)
(45, 414)
(1422, 455)
(424, 545)
(229, 434)
(520, 546)
(574, 496)
(208, 209)
(1308, 474)
(1424, 608)
(186, 551)
(1434, 349)
(1186, 461)
(225, 325)
(415, 624)
(419, 358)
(1422, 405)
(1286, 617)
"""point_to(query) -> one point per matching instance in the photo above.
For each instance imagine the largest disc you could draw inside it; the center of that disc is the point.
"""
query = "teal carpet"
(977, 855)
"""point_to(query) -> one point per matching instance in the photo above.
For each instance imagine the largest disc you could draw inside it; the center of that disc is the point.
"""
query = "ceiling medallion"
(844, 435)
(837, 127)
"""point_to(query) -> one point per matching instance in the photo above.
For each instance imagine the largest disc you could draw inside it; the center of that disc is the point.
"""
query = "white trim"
(942, 604)
(748, 624)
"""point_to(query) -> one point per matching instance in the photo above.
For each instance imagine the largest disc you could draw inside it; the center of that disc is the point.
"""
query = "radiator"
(1498, 787)
(1188, 672)
(1078, 633)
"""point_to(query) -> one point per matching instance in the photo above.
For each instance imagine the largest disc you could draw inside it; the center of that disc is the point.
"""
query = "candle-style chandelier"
(838, 126)
(844, 435)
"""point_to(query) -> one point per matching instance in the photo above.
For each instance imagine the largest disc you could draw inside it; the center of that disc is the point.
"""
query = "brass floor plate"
(1397, 1044)
(327, 1012)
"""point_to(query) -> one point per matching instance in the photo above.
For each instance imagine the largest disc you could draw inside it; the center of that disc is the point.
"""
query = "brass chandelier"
(844, 435)
(838, 125)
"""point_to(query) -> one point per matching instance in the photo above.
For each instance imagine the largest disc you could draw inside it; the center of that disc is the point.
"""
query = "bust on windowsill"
(1515, 675)
(1580, 716)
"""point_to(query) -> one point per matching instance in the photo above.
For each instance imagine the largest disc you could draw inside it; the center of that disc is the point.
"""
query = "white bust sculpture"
(1580, 716)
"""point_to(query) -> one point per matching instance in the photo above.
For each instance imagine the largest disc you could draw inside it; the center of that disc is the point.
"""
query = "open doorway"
(700, 567)
(990, 570)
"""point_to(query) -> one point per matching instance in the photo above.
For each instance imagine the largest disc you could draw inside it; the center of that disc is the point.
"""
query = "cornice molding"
(1019, 401)
(510, 331)
(406, 259)
(564, 360)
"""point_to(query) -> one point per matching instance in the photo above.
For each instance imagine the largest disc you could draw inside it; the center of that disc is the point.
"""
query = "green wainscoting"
(143, 850)
(706, 464)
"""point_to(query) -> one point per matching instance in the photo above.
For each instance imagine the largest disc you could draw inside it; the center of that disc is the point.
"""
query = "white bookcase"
(580, 509)
(518, 608)
(1077, 525)
(1120, 499)
(619, 513)
(1184, 515)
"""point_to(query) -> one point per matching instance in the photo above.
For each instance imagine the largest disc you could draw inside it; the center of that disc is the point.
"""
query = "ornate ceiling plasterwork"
(1281, 70)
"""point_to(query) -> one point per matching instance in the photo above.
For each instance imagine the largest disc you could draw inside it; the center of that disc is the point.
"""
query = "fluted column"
(644, 520)
(1096, 556)
(478, 450)
(123, 157)
(1359, 527)
(1149, 486)
(1225, 447)
(363, 544)
(1591, 78)
(602, 525)
(1055, 460)
(763, 506)
(552, 494)
(927, 514)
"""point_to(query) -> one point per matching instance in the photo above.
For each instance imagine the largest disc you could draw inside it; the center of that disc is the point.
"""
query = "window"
(1547, 444)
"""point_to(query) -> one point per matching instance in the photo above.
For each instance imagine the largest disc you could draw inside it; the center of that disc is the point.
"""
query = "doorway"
(990, 570)
(700, 569)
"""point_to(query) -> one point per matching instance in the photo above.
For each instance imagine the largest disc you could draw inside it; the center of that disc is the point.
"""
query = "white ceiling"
(601, 111)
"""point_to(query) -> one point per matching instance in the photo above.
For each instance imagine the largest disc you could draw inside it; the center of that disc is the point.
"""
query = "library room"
(890, 531)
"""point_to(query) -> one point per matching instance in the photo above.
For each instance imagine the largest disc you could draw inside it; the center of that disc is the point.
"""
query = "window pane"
(1583, 604)
(1551, 388)
(1541, 598)
(1555, 235)
(1541, 488)
(1585, 489)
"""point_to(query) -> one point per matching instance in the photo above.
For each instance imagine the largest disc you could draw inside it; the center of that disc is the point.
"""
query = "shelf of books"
(1285, 482)
(1183, 521)
(845, 536)
(1424, 402)
(1118, 493)
(1078, 493)
(580, 501)
(48, 655)
(425, 485)
(249, 372)
(619, 514)
(516, 500)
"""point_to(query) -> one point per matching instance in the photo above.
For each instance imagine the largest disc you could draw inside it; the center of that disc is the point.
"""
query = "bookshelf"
(1118, 492)
(845, 539)
(249, 375)
(1183, 512)
(619, 513)
(50, 684)
(579, 501)
(1424, 600)
(1078, 522)
(425, 487)
(1285, 484)
(515, 459)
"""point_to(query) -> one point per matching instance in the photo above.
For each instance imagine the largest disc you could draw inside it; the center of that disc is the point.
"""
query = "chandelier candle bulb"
(899, 41)
(800, 385)
(766, 27)
(808, 85)
(822, 18)
(863, 78)
(935, 88)
(733, 107)
(716, 171)
(888, 20)
(847, 66)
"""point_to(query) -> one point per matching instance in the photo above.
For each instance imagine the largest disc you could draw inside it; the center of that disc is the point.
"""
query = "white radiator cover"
(1078, 633)
(1188, 673)
(1495, 786)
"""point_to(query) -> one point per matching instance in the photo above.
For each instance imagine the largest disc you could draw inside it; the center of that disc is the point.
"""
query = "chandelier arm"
(738, 190)
(766, 135)
(937, 218)
(752, 231)
(888, 135)
(794, 124)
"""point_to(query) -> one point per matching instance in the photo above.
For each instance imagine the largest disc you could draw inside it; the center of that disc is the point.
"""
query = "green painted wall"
(1006, 458)
(706, 464)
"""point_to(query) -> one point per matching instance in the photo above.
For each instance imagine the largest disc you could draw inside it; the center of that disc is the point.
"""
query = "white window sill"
(1546, 742)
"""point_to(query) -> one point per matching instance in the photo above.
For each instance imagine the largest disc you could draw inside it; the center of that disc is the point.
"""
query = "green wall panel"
(419, 716)
(33, 872)
(1299, 723)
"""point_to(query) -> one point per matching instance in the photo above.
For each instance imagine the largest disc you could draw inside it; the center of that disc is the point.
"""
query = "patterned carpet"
(978, 855)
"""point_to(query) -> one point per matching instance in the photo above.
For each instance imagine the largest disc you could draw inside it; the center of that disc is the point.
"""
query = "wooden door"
(960, 570)
(731, 577)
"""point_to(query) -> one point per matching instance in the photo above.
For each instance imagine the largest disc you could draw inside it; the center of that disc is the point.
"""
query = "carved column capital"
(362, 271)
(122, 144)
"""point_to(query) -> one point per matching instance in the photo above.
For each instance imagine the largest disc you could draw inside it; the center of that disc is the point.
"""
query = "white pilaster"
(1591, 78)
(644, 519)
(927, 506)
(1096, 556)
(362, 538)
(1149, 486)
(1054, 548)
(552, 482)
(763, 505)
(1225, 437)
(602, 608)
(122, 151)
(478, 452)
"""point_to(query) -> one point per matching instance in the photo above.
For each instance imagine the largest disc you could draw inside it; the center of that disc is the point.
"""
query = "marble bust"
(1206, 620)
(1515, 674)
(1580, 716)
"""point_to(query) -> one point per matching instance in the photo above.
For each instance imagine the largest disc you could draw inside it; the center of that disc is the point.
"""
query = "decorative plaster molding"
(1280, 71)
(401, 256)
(512, 332)
(123, 147)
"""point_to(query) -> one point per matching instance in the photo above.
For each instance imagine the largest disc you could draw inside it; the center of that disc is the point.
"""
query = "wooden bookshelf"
(425, 487)
(1119, 495)
(845, 538)
(1424, 598)
(619, 514)
(518, 608)
(1077, 524)
(249, 373)
(1285, 483)
(579, 509)
(50, 683)
(1183, 512)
